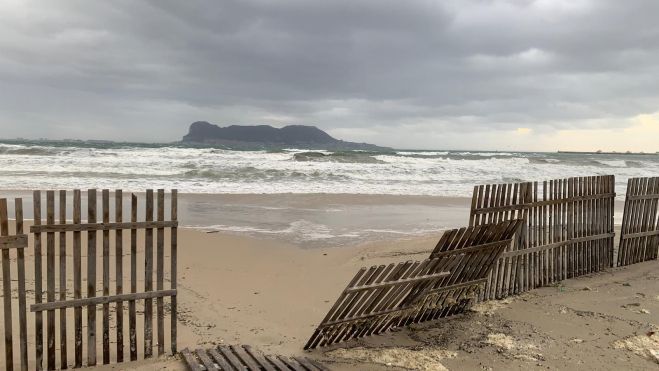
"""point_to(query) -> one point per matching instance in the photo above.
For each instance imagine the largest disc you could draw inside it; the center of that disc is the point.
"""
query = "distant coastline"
(609, 153)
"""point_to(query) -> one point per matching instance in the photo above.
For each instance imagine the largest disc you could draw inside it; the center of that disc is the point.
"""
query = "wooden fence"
(68, 244)
(569, 230)
(8, 243)
(245, 358)
(384, 297)
(639, 237)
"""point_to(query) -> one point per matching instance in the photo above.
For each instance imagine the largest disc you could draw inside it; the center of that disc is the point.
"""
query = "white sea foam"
(211, 170)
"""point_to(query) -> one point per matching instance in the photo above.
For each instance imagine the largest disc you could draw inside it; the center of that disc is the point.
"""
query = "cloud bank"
(508, 74)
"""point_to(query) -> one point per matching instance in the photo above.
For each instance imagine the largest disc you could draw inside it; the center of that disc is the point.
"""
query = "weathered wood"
(50, 280)
(85, 227)
(91, 279)
(22, 307)
(18, 241)
(6, 288)
(148, 278)
(77, 277)
(62, 281)
(38, 269)
(160, 272)
(191, 360)
(639, 238)
(105, 197)
(173, 268)
(119, 273)
(569, 230)
(132, 314)
(57, 274)
(383, 297)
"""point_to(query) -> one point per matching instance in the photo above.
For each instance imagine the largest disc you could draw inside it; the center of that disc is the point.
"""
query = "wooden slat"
(230, 357)
(205, 359)
(22, 307)
(119, 273)
(403, 281)
(84, 227)
(148, 278)
(191, 360)
(173, 261)
(220, 360)
(6, 288)
(132, 312)
(259, 357)
(38, 269)
(105, 199)
(18, 241)
(100, 300)
(77, 277)
(160, 272)
(91, 279)
(62, 281)
(50, 280)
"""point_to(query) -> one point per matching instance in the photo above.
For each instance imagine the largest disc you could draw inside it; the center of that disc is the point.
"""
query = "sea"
(82, 165)
(301, 195)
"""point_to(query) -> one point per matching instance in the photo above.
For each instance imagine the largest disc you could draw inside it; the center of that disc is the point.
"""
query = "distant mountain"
(265, 136)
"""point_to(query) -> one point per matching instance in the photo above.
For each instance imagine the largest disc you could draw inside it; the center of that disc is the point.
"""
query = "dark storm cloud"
(364, 69)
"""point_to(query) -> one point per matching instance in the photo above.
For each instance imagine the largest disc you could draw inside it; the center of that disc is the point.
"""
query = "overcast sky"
(464, 74)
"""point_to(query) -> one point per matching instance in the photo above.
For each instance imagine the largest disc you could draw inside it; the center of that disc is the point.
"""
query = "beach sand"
(270, 293)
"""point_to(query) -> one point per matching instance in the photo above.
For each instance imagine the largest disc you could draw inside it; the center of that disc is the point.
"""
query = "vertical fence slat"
(173, 261)
(6, 287)
(50, 279)
(148, 278)
(105, 196)
(77, 277)
(62, 280)
(119, 269)
(22, 306)
(160, 266)
(132, 320)
(38, 269)
(91, 279)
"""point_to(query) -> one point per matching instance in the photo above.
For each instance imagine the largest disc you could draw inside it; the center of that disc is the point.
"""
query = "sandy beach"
(235, 288)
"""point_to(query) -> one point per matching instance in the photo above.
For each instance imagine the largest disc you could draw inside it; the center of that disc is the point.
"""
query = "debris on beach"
(489, 307)
(645, 345)
(508, 345)
(426, 359)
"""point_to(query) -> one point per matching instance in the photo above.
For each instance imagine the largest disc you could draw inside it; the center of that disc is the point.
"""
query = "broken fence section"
(639, 237)
(384, 297)
(244, 357)
(569, 230)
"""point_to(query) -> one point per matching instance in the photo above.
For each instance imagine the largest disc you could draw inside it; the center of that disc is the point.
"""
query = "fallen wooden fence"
(61, 299)
(384, 297)
(245, 358)
(8, 243)
(569, 230)
(639, 235)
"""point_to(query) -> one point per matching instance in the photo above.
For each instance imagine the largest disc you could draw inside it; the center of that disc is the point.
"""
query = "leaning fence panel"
(639, 237)
(384, 297)
(99, 294)
(569, 230)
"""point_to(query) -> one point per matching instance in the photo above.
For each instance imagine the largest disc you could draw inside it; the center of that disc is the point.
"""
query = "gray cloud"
(365, 70)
